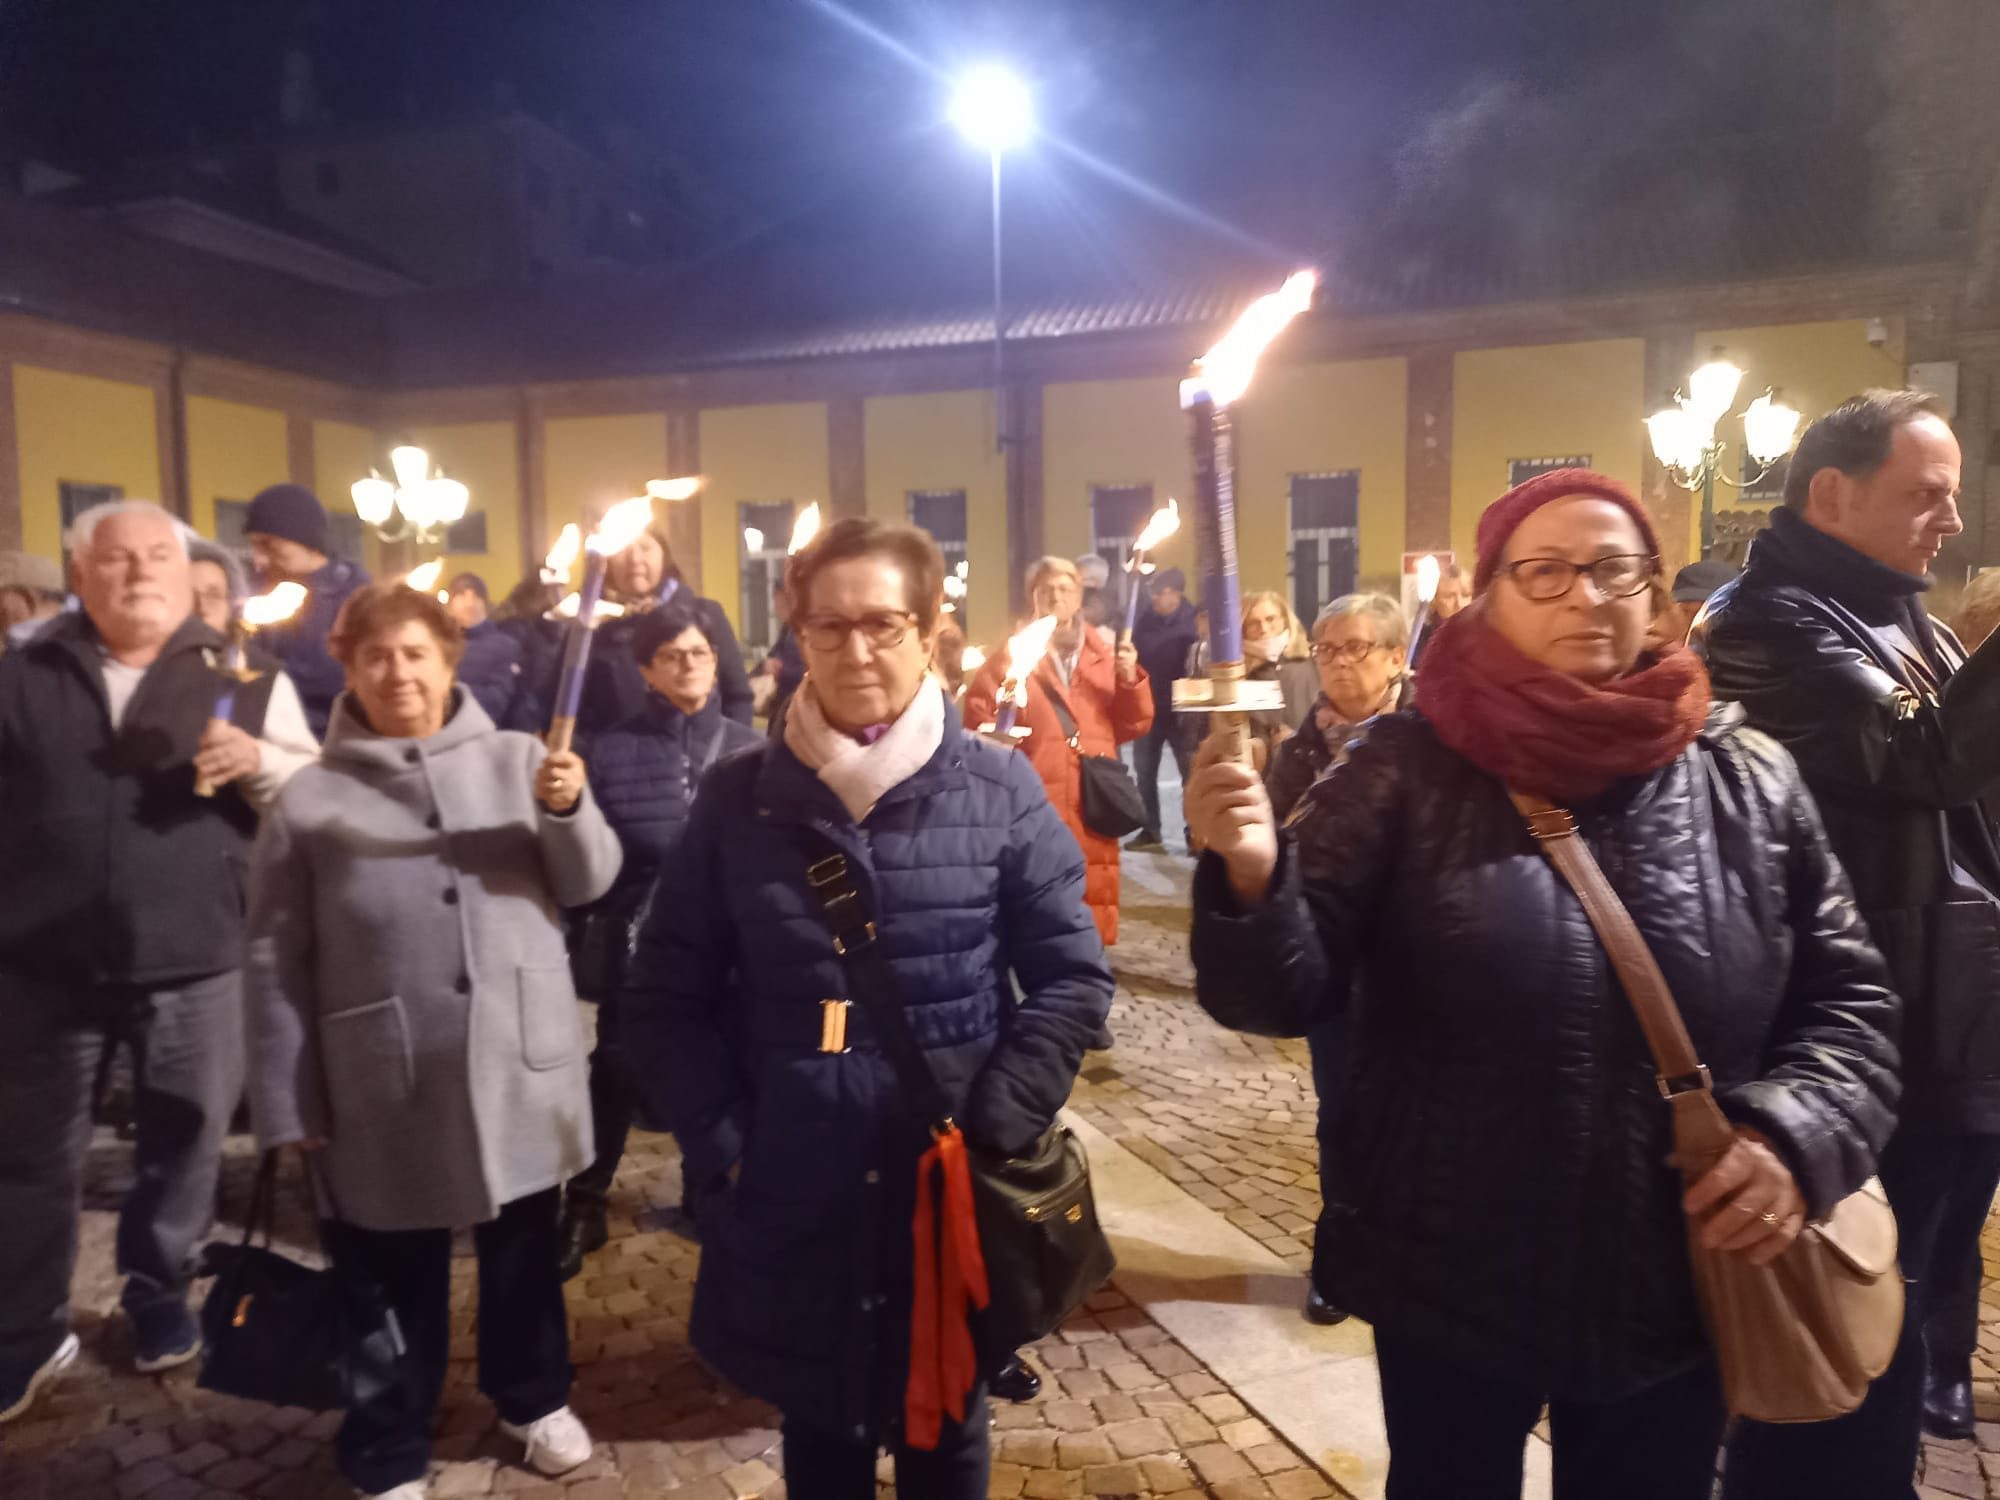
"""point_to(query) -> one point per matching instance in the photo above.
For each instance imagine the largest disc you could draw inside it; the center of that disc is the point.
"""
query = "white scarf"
(860, 775)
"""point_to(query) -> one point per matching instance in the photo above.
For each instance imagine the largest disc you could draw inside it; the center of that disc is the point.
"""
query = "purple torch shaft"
(1132, 598)
(576, 650)
(1214, 451)
(1004, 710)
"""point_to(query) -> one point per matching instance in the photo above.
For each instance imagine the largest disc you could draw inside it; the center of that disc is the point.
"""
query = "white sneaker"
(414, 1489)
(556, 1443)
(50, 1368)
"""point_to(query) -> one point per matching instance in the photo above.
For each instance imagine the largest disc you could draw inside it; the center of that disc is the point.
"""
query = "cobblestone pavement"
(1125, 1410)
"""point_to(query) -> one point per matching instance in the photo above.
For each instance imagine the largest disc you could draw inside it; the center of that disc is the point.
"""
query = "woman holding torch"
(412, 1023)
(954, 883)
(1503, 1200)
(1105, 694)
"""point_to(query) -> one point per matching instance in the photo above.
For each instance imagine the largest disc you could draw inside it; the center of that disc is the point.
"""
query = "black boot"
(1321, 1311)
(1948, 1399)
(1014, 1381)
(583, 1231)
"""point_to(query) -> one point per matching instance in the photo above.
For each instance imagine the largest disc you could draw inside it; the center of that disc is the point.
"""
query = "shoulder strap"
(870, 983)
(1064, 718)
(1683, 1078)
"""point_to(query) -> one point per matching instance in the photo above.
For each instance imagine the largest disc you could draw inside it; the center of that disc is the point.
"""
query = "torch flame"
(1223, 374)
(622, 525)
(1163, 525)
(972, 661)
(805, 528)
(562, 556)
(268, 609)
(684, 488)
(424, 579)
(1428, 573)
(1025, 650)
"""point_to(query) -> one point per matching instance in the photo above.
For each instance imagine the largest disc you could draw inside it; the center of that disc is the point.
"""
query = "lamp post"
(994, 111)
(1685, 441)
(420, 506)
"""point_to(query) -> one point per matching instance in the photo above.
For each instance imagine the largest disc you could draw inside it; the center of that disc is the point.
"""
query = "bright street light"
(993, 109)
(1685, 441)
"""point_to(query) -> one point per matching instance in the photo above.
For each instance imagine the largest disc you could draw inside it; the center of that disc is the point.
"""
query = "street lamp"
(1685, 441)
(994, 111)
(418, 507)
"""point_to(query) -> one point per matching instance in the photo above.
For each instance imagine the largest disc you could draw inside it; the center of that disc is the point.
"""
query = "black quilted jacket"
(1496, 1173)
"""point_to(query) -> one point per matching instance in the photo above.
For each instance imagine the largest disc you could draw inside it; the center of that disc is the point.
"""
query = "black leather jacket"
(1496, 1170)
(1897, 733)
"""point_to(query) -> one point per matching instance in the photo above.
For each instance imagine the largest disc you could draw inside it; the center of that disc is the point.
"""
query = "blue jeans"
(1146, 751)
(1940, 1187)
(187, 1055)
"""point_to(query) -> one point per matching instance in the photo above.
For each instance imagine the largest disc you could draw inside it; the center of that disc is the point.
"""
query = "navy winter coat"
(804, 1292)
(645, 771)
(614, 689)
(1496, 1174)
(492, 672)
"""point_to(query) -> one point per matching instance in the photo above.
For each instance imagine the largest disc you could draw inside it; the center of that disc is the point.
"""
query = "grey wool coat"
(409, 997)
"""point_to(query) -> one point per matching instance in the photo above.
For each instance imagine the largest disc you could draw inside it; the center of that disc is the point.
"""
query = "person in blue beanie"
(287, 532)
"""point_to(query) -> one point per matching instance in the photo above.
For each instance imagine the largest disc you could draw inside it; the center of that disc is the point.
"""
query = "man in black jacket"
(121, 920)
(1163, 636)
(1825, 642)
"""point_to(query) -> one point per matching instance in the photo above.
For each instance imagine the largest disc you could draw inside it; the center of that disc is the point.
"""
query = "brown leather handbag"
(1797, 1340)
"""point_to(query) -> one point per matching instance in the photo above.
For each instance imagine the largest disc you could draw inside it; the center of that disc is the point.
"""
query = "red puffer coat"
(1108, 714)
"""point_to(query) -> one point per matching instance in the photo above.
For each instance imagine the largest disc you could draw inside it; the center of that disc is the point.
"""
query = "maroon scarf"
(1540, 730)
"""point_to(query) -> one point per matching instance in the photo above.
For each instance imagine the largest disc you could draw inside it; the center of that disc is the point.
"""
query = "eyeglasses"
(1351, 652)
(1619, 576)
(881, 631)
(695, 656)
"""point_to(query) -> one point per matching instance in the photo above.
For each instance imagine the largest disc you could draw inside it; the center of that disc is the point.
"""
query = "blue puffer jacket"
(299, 643)
(491, 671)
(644, 774)
(804, 1292)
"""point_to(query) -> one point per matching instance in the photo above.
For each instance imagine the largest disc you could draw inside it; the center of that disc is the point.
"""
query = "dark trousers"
(1455, 1436)
(187, 1063)
(1941, 1187)
(826, 1466)
(524, 1366)
(1146, 752)
(614, 1099)
(1951, 1331)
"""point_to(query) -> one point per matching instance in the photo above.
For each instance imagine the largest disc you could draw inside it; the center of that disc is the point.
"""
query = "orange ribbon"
(950, 1281)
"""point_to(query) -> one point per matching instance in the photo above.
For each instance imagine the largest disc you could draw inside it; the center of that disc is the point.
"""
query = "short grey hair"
(83, 530)
(201, 549)
(1392, 627)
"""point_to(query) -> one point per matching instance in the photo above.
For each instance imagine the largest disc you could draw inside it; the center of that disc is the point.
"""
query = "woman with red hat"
(1497, 1175)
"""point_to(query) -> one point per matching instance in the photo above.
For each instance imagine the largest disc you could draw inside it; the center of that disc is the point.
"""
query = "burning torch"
(621, 527)
(1428, 573)
(281, 603)
(1163, 525)
(1024, 652)
(1218, 380)
(804, 529)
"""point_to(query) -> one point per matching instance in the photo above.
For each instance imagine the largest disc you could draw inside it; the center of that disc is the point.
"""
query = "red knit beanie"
(1499, 519)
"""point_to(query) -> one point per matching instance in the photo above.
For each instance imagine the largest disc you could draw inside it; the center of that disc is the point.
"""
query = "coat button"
(464, 985)
(433, 821)
(871, 1177)
(451, 898)
(412, 756)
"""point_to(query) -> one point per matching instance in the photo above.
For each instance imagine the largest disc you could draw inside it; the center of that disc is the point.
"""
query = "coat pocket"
(368, 1059)
(551, 1035)
(1965, 974)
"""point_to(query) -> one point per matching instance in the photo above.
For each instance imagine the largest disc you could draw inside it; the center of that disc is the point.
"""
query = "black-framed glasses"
(1618, 576)
(673, 656)
(881, 631)
(1351, 652)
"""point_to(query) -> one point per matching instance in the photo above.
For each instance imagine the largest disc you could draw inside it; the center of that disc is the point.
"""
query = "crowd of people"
(353, 885)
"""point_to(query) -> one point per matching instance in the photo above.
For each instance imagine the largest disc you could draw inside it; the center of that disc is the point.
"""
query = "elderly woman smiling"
(413, 1025)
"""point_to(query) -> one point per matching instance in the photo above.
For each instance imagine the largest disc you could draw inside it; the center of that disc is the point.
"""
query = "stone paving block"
(1111, 1479)
(1137, 1439)
(1299, 1484)
(1053, 1484)
(1083, 1450)
(1030, 1450)
(1006, 1481)
(1216, 1462)
(455, 1479)
(749, 1480)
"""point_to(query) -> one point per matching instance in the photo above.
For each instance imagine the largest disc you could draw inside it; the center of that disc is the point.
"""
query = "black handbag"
(1111, 805)
(1044, 1249)
(274, 1330)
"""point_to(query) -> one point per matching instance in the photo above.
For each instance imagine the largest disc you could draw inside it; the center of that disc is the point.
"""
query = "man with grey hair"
(127, 825)
(1826, 644)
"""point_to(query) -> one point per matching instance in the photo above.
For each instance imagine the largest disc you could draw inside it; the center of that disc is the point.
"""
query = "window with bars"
(764, 530)
(1521, 470)
(942, 514)
(1118, 513)
(1325, 551)
(75, 496)
(344, 534)
(1769, 488)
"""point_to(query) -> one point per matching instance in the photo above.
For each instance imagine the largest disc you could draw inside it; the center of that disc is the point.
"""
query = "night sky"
(776, 122)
